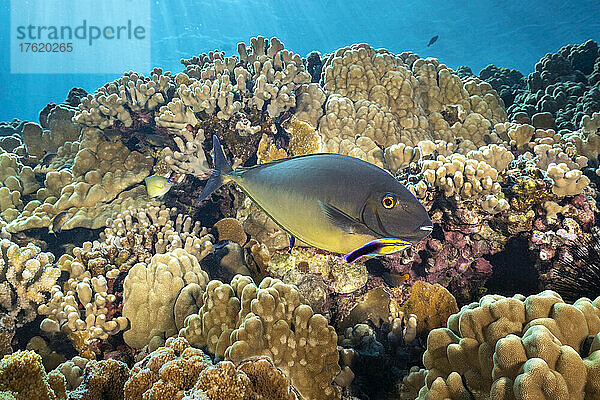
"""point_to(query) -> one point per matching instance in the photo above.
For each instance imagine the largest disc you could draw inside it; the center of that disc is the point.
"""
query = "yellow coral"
(23, 374)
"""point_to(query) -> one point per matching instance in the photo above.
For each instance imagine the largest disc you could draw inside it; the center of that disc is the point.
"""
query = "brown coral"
(243, 320)
(432, 304)
(102, 380)
(515, 348)
(23, 374)
(166, 372)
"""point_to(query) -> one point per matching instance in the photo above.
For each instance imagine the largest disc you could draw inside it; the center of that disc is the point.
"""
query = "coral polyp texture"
(516, 348)
(26, 274)
(242, 320)
(138, 297)
(379, 99)
(177, 369)
(101, 179)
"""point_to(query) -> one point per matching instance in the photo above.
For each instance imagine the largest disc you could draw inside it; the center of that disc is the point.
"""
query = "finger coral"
(515, 348)
(26, 273)
(243, 320)
(116, 100)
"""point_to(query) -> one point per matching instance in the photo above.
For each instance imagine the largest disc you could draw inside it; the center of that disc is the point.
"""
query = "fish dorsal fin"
(342, 220)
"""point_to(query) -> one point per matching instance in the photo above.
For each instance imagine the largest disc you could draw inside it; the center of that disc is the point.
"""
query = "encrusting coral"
(516, 348)
(243, 320)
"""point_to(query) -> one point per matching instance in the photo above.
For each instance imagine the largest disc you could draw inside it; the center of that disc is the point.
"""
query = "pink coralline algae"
(455, 262)
(557, 229)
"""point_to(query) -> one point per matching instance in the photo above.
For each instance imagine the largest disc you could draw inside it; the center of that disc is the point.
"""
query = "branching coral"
(91, 306)
(116, 101)
(26, 273)
(242, 320)
(98, 183)
(134, 235)
(96, 320)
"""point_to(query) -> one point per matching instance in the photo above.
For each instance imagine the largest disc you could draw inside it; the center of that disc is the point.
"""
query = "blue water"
(475, 33)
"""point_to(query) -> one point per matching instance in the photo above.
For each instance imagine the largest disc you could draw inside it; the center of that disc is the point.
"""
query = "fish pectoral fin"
(342, 220)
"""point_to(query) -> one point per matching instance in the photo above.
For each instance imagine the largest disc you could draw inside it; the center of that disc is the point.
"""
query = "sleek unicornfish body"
(332, 202)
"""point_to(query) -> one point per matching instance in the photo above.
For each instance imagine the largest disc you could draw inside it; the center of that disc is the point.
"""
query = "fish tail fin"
(219, 175)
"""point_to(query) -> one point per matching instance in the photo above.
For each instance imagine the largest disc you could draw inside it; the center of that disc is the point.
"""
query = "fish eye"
(388, 201)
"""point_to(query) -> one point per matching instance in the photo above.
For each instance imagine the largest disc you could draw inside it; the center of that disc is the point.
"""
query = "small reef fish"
(47, 159)
(377, 247)
(157, 140)
(332, 202)
(432, 40)
(157, 185)
(58, 222)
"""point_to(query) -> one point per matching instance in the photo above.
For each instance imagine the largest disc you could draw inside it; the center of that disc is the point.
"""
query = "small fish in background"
(157, 140)
(395, 280)
(58, 222)
(47, 159)
(112, 135)
(157, 185)
(377, 247)
(432, 40)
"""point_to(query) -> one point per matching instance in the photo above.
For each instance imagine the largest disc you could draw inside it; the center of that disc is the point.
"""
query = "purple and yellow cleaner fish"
(332, 202)
(377, 247)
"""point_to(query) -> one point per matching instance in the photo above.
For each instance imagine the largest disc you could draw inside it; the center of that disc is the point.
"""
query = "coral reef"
(181, 371)
(507, 167)
(150, 292)
(101, 298)
(98, 184)
(378, 100)
(563, 85)
(243, 320)
(504, 347)
(23, 375)
(26, 273)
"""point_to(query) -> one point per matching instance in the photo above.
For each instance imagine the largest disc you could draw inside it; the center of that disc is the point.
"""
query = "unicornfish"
(329, 201)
